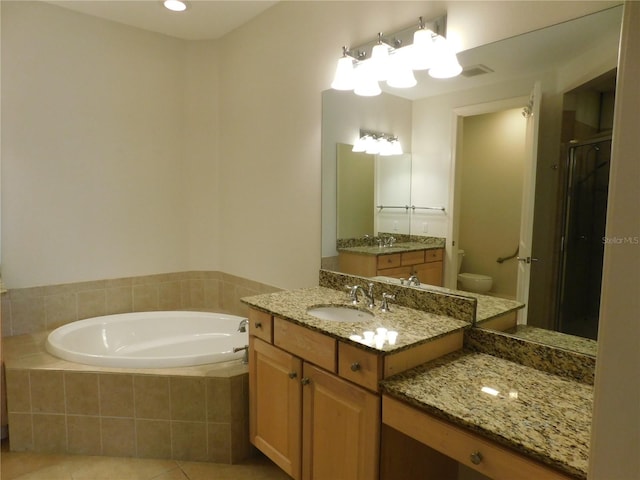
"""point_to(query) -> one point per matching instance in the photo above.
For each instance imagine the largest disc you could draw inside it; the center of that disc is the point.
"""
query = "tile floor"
(38, 466)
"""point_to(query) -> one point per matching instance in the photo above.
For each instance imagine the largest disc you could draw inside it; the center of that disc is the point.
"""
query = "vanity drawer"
(463, 446)
(434, 255)
(389, 261)
(309, 345)
(412, 258)
(261, 325)
(358, 366)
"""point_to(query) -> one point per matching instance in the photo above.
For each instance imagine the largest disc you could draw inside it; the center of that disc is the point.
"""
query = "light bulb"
(445, 63)
(400, 73)
(422, 50)
(366, 84)
(175, 5)
(380, 61)
(361, 144)
(344, 78)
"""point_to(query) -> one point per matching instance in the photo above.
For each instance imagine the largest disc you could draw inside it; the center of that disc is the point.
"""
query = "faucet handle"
(385, 301)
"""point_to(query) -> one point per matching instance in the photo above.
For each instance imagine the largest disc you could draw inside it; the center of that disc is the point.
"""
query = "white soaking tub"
(150, 339)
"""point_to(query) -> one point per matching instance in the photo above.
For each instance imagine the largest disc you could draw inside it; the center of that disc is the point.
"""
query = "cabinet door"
(430, 273)
(275, 403)
(341, 428)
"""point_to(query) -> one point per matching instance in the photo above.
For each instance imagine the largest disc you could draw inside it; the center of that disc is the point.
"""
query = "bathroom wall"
(491, 182)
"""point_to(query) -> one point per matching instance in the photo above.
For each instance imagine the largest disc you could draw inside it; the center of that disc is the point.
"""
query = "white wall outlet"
(395, 226)
(425, 227)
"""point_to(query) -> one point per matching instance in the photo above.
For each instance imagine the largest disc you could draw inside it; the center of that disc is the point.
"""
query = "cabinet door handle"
(293, 375)
(305, 381)
(476, 458)
(355, 366)
(258, 324)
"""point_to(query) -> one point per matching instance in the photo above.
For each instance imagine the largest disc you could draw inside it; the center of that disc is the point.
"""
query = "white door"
(525, 257)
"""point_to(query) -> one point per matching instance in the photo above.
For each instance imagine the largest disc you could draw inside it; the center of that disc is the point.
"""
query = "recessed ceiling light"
(175, 5)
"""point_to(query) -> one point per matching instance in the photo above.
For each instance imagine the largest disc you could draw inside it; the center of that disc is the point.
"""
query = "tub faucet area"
(242, 327)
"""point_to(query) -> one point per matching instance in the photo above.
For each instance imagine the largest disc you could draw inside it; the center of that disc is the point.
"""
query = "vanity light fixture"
(393, 58)
(377, 143)
(175, 5)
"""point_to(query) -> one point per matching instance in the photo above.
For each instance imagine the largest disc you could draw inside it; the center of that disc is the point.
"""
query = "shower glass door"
(583, 243)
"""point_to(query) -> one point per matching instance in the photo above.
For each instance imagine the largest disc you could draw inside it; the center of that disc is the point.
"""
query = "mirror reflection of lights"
(379, 338)
(491, 391)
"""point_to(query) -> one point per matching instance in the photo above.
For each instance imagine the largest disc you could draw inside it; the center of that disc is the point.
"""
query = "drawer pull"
(305, 381)
(293, 375)
(476, 458)
(258, 324)
(355, 366)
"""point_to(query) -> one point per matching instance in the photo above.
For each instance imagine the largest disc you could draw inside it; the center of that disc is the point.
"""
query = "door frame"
(458, 115)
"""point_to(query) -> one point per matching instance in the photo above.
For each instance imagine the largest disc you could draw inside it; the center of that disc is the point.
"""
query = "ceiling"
(203, 19)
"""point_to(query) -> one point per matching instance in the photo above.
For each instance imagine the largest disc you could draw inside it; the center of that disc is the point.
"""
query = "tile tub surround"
(192, 413)
(447, 304)
(540, 415)
(413, 326)
(36, 309)
(558, 361)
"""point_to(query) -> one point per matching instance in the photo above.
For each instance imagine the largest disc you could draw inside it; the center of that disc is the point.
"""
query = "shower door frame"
(560, 322)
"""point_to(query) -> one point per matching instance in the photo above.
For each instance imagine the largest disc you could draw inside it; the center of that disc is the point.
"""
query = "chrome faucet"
(413, 280)
(368, 294)
(242, 327)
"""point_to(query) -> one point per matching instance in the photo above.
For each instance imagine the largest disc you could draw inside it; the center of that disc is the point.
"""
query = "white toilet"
(473, 282)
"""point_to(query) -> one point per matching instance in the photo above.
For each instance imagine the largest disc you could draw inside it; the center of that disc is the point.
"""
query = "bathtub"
(150, 339)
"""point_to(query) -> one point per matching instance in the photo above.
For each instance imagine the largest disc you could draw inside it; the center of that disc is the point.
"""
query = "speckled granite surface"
(581, 345)
(488, 307)
(541, 415)
(566, 363)
(424, 242)
(397, 248)
(456, 306)
(413, 326)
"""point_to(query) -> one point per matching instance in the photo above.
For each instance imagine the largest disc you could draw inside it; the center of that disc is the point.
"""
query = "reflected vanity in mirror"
(574, 64)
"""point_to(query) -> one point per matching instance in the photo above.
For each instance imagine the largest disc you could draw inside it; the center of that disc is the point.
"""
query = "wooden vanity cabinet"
(454, 444)
(275, 397)
(307, 420)
(426, 264)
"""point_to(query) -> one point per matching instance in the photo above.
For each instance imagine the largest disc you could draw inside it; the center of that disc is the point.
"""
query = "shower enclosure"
(582, 252)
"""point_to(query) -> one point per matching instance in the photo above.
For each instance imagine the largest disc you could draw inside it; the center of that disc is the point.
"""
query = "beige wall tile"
(188, 401)
(18, 391)
(153, 438)
(81, 391)
(240, 448)
(151, 397)
(196, 292)
(27, 315)
(118, 437)
(84, 435)
(119, 299)
(170, 296)
(239, 394)
(189, 441)
(21, 431)
(219, 442)
(60, 309)
(218, 400)
(145, 298)
(49, 433)
(212, 293)
(92, 303)
(116, 395)
(47, 392)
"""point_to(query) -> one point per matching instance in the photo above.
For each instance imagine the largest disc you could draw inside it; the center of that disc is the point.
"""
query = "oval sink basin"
(336, 313)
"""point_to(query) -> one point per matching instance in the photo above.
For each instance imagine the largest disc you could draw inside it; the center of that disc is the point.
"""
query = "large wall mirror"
(573, 64)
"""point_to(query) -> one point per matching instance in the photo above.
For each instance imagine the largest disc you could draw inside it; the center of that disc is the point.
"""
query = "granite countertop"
(488, 307)
(538, 414)
(397, 248)
(414, 327)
